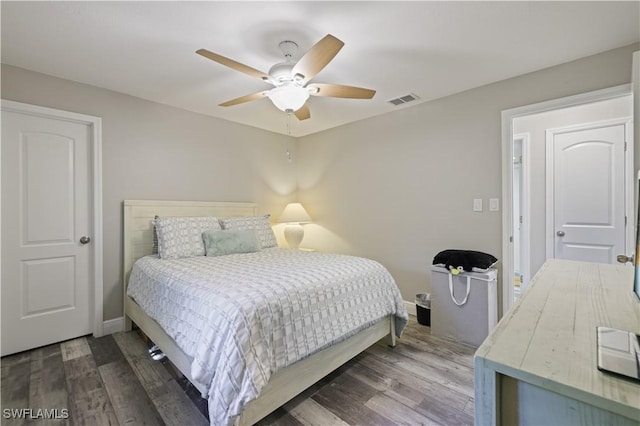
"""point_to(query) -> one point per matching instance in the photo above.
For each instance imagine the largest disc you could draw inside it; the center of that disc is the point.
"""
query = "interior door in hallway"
(46, 231)
(588, 187)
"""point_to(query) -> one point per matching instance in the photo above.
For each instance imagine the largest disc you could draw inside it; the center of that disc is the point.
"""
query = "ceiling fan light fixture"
(288, 97)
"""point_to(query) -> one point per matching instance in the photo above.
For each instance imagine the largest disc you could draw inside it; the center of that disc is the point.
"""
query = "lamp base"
(294, 234)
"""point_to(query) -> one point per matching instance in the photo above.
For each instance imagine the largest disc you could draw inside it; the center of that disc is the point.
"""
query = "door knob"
(624, 259)
(85, 240)
(560, 233)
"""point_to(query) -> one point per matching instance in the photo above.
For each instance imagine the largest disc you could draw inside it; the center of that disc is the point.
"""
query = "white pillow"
(182, 236)
(260, 224)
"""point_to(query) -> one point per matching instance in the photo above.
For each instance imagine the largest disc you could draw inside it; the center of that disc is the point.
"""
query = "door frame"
(507, 164)
(628, 179)
(96, 260)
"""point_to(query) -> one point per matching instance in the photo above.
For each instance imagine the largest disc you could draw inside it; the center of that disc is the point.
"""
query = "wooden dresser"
(538, 366)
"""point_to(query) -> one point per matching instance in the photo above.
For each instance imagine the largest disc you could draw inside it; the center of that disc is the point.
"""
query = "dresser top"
(548, 337)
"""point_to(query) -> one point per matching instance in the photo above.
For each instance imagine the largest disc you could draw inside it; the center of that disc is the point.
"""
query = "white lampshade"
(288, 97)
(294, 213)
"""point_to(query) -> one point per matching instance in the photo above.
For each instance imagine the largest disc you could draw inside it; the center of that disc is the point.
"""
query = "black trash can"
(424, 315)
(423, 308)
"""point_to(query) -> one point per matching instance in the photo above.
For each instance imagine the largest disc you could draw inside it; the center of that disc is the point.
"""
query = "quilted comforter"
(242, 317)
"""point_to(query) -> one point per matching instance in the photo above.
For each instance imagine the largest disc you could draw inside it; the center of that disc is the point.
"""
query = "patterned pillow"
(258, 223)
(182, 236)
(154, 246)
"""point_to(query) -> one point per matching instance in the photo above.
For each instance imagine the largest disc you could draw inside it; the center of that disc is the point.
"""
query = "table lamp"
(293, 215)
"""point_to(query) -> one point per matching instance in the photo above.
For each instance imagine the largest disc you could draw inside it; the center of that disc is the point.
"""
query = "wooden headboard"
(138, 215)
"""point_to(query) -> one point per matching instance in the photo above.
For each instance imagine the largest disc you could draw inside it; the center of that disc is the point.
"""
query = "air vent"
(404, 99)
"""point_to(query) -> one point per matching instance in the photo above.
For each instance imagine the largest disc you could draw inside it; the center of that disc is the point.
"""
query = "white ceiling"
(432, 49)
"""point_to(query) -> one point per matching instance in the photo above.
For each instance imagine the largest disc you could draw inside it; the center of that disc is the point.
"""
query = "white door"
(47, 290)
(588, 185)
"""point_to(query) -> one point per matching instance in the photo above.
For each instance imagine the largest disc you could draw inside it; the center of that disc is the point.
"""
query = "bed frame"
(282, 386)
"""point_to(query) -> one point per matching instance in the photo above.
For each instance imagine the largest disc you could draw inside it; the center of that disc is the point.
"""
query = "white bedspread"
(242, 317)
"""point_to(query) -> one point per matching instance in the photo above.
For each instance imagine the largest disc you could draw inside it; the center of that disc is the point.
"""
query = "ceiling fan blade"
(303, 113)
(338, 91)
(233, 64)
(243, 99)
(317, 57)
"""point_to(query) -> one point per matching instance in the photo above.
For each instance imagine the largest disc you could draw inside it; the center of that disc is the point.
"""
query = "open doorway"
(526, 186)
(520, 213)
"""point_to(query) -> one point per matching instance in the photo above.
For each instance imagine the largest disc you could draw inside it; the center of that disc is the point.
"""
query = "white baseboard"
(113, 326)
(411, 308)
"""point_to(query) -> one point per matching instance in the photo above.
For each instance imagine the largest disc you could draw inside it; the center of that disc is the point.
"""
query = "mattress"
(243, 317)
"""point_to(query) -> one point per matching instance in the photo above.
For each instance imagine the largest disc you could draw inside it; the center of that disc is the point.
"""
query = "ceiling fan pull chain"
(288, 153)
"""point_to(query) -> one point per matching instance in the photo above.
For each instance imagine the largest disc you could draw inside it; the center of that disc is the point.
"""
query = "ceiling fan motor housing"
(281, 72)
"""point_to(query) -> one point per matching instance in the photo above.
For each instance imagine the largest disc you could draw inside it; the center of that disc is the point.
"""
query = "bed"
(202, 368)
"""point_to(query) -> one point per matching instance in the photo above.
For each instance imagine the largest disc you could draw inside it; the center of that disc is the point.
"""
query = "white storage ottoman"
(468, 321)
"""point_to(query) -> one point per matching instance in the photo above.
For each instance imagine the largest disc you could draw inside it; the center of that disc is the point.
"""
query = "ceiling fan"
(291, 79)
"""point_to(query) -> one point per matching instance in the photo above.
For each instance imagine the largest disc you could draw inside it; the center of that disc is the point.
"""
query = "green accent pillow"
(222, 242)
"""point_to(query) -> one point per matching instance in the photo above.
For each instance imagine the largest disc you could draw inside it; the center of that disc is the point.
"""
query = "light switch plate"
(494, 204)
(477, 204)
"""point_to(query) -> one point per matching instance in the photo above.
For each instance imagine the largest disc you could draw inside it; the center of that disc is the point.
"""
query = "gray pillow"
(220, 243)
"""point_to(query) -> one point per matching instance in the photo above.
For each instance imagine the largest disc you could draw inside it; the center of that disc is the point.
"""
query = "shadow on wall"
(275, 164)
(320, 163)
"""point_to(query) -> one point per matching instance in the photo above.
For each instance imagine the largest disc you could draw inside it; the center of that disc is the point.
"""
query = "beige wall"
(399, 187)
(152, 151)
(536, 125)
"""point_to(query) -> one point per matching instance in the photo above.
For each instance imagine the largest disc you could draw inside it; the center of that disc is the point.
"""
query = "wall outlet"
(477, 204)
(494, 204)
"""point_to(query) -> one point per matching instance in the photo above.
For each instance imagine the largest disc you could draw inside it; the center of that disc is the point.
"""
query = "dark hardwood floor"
(424, 380)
